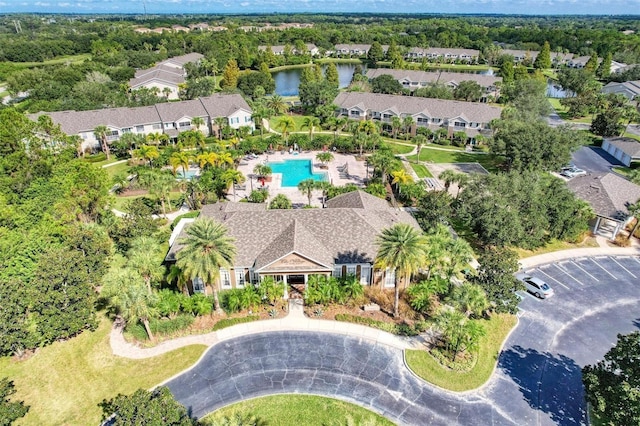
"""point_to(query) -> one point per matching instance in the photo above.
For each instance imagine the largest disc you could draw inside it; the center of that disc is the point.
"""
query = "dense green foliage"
(10, 410)
(496, 277)
(613, 384)
(145, 408)
(521, 209)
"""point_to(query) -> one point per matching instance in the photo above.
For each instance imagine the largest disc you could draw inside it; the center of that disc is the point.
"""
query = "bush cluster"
(402, 329)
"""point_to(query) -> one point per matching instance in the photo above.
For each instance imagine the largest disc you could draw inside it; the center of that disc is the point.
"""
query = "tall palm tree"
(401, 248)
(233, 177)
(220, 123)
(401, 177)
(176, 275)
(420, 141)
(338, 124)
(260, 113)
(306, 187)
(310, 123)
(277, 105)
(147, 152)
(286, 125)
(448, 176)
(145, 257)
(153, 138)
(180, 159)
(207, 248)
(207, 159)
(407, 123)
(382, 161)
(396, 124)
(138, 305)
(224, 159)
(100, 132)
(197, 122)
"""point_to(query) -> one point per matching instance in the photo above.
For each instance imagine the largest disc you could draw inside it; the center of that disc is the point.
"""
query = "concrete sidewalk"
(603, 249)
(294, 320)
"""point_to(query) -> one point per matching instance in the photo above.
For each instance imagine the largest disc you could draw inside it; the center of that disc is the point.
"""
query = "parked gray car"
(536, 286)
(572, 171)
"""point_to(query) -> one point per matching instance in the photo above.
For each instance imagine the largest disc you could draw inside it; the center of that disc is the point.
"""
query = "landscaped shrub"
(189, 215)
(230, 300)
(96, 158)
(159, 327)
(228, 322)
(402, 329)
(169, 302)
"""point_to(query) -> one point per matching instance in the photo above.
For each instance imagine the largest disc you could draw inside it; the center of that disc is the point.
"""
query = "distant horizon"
(524, 8)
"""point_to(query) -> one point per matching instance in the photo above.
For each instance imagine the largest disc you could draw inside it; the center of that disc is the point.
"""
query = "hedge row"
(402, 329)
(228, 322)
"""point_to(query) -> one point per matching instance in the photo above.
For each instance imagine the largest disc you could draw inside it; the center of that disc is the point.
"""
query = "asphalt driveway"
(537, 381)
(594, 160)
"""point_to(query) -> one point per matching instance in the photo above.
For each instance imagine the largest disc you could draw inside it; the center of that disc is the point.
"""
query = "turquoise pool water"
(190, 174)
(295, 171)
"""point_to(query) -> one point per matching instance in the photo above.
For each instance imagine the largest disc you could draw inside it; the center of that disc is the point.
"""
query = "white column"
(286, 287)
(595, 228)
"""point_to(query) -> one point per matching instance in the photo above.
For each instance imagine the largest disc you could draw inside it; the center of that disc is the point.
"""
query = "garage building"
(626, 150)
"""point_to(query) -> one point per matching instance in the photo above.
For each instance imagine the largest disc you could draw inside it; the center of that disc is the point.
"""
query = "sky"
(525, 7)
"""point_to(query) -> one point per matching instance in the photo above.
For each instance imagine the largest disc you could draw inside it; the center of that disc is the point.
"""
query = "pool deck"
(356, 173)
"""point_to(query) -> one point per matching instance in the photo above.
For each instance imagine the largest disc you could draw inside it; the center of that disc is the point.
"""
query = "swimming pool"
(190, 174)
(295, 171)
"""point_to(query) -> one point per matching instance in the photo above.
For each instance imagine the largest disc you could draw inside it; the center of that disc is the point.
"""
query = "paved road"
(537, 381)
(594, 160)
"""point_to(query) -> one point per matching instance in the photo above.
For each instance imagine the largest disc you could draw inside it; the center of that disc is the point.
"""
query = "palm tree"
(180, 159)
(458, 331)
(462, 179)
(324, 157)
(137, 305)
(197, 121)
(401, 248)
(382, 161)
(448, 176)
(306, 187)
(233, 177)
(286, 125)
(100, 132)
(224, 159)
(470, 298)
(396, 124)
(277, 105)
(420, 141)
(401, 177)
(159, 183)
(154, 138)
(147, 152)
(310, 123)
(207, 248)
(407, 123)
(634, 209)
(260, 113)
(338, 124)
(207, 159)
(145, 257)
(176, 275)
(220, 123)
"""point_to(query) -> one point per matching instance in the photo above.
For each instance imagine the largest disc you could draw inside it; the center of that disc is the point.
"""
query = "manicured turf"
(274, 123)
(426, 367)
(488, 161)
(421, 170)
(400, 148)
(112, 171)
(64, 383)
(557, 245)
(296, 410)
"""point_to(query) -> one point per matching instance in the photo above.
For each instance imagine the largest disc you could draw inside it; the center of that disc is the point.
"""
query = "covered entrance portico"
(293, 270)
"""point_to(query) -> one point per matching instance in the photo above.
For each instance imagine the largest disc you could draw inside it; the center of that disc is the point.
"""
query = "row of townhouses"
(413, 80)
(169, 118)
(473, 118)
(166, 76)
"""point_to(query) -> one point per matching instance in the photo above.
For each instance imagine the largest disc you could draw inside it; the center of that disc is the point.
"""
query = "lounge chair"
(342, 168)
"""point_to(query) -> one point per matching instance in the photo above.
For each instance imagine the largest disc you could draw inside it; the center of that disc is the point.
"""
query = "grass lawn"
(74, 59)
(121, 202)
(426, 367)
(400, 149)
(488, 161)
(556, 245)
(421, 170)
(112, 171)
(323, 61)
(295, 410)
(297, 119)
(63, 383)
(562, 112)
(631, 135)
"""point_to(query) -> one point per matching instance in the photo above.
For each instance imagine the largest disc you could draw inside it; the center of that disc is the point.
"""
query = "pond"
(554, 90)
(287, 81)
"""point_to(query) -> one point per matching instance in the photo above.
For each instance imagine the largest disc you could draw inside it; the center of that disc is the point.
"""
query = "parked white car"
(572, 172)
(536, 286)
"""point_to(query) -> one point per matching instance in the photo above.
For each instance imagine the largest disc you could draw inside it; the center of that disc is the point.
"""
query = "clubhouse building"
(291, 245)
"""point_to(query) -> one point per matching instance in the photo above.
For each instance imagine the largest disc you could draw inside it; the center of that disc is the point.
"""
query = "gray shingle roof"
(184, 59)
(435, 77)
(332, 235)
(74, 122)
(357, 200)
(173, 111)
(609, 194)
(412, 105)
(167, 68)
(629, 146)
(224, 105)
(158, 75)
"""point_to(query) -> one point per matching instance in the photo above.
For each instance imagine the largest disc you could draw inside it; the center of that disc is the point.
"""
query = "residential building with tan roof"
(169, 118)
(279, 50)
(292, 245)
(165, 77)
(442, 53)
(473, 118)
(413, 80)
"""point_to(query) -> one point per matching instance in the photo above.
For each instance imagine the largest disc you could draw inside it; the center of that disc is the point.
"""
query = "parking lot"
(595, 299)
(594, 160)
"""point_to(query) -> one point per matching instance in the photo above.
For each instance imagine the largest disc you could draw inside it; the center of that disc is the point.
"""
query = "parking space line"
(601, 267)
(554, 279)
(564, 270)
(583, 270)
(630, 273)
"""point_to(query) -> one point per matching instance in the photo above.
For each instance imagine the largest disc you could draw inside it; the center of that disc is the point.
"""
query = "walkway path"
(294, 320)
